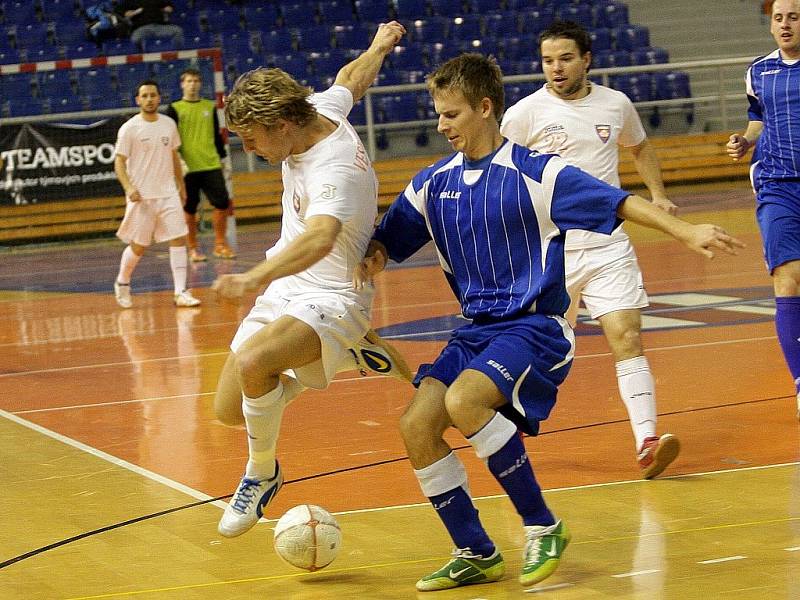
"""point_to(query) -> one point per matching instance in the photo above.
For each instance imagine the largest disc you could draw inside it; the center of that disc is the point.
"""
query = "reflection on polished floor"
(113, 458)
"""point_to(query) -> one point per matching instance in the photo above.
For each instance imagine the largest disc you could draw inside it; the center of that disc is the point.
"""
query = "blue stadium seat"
(8, 56)
(103, 101)
(430, 30)
(388, 77)
(631, 37)
(517, 91)
(241, 42)
(158, 44)
(66, 103)
(22, 107)
(21, 12)
(465, 28)
(18, 86)
(336, 11)
(410, 9)
(411, 76)
(357, 36)
(70, 32)
(613, 58)
(438, 53)
(521, 47)
(601, 39)
(119, 48)
(82, 50)
(56, 83)
(372, 11)
(407, 58)
(313, 38)
(357, 115)
(95, 82)
(62, 11)
(501, 25)
(398, 108)
(610, 14)
(649, 56)
(481, 7)
(327, 63)
(299, 14)
(260, 17)
(527, 67)
(447, 8)
(637, 86)
(242, 62)
(534, 20)
(672, 84)
(199, 40)
(486, 46)
(30, 36)
(128, 77)
(580, 13)
(277, 41)
(223, 18)
(295, 65)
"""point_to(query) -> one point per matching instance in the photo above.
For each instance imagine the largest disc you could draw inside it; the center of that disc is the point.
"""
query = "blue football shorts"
(778, 215)
(527, 358)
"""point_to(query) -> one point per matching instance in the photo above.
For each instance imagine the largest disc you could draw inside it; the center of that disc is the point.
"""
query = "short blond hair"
(266, 95)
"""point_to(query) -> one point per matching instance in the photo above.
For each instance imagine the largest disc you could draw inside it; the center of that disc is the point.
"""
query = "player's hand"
(387, 36)
(233, 287)
(737, 146)
(666, 205)
(702, 238)
(134, 196)
(366, 270)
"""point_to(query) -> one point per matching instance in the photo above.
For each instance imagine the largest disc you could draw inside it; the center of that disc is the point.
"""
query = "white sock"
(262, 416)
(178, 259)
(638, 391)
(127, 264)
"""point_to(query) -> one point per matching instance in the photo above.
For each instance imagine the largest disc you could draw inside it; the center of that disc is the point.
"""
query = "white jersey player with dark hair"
(302, 328)
(585, 124)
(148, 168)
(497, 213)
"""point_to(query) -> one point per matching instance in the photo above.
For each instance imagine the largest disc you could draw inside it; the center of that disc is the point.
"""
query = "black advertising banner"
(45, 162)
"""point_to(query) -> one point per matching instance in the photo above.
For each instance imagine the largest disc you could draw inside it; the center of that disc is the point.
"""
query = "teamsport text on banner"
(43, 162)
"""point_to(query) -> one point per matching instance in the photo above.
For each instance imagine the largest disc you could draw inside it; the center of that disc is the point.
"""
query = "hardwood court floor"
(108, 419)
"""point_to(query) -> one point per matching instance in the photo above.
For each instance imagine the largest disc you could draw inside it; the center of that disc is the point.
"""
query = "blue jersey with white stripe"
(773, 90)
(498, 226)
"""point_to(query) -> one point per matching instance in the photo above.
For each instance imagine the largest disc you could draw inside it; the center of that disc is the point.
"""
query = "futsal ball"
(307, 537)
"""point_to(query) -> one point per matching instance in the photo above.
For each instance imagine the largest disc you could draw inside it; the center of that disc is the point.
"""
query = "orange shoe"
(196, 256)
(224, 252)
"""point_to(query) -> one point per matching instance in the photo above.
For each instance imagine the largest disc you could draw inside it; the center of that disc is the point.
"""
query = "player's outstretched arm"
(359, 74)
(738, 144)
(373, 263)
(700, 238)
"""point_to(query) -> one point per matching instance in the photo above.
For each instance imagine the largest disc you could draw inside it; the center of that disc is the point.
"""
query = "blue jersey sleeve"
(403, 229)
(581, 201)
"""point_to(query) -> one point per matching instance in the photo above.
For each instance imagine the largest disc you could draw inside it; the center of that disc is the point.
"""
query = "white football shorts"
(608, 279)
(153, 220)
(338, 321)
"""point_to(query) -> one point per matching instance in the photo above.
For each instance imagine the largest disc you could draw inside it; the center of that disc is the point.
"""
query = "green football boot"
(542, 551)
(465, 568)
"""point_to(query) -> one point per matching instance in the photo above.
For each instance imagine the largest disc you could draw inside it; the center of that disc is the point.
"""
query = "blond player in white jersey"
(310, 315)
(586, 123)
(149, 170)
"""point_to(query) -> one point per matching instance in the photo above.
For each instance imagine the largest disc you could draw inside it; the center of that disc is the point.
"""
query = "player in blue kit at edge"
(497, 213)
(773, 90)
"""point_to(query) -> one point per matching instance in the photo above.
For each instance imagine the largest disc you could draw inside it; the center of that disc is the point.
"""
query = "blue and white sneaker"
(375, 354)
(247, 505)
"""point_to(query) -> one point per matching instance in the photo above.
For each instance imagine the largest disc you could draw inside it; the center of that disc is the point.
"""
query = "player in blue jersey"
(773, 89)
(497, 213)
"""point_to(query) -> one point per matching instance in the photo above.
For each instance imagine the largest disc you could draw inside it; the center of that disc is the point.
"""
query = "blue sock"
(460, 517)
(500, 445)
(787, 324)
(445, 484)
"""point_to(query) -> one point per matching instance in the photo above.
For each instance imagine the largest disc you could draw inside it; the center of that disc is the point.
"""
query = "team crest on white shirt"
(164, 140)
(296, 203)
(603, 132)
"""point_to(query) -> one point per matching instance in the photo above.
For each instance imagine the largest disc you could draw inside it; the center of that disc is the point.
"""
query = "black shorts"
(212, 184)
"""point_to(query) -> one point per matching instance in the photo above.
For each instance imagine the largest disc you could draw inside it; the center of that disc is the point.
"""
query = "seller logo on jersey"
(603, 132)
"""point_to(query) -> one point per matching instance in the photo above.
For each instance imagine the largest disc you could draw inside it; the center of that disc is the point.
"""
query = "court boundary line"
(166, 481)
